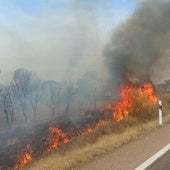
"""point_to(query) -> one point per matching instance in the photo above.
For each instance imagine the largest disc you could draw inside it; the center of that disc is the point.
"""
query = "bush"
(143, 110)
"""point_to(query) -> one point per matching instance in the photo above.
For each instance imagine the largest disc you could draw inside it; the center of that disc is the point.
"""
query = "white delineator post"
(160, 112)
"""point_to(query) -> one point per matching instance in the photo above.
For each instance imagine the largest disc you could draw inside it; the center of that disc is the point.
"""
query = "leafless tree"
(54, 90)
(53, 98)
(7, 104)
(95, 98)
(71, 90)
(22, 81)
(87, 87)
(59, 88)
(36, 92)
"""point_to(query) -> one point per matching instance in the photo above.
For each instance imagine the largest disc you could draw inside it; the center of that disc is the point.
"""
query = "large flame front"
(128, 96)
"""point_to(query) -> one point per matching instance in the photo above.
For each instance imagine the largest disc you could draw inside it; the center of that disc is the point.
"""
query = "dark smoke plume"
(140, 46)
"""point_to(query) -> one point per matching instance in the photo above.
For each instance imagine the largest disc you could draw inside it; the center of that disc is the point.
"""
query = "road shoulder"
(131, 155)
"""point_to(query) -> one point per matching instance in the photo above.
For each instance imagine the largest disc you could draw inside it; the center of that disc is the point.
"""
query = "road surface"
(131, 155)
(161, 164)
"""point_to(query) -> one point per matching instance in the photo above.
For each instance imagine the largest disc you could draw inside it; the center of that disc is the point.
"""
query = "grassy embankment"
(103, 139)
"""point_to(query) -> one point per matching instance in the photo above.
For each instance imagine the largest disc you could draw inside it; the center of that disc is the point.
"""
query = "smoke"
(55, 39)
(85, 39)
(139, 48)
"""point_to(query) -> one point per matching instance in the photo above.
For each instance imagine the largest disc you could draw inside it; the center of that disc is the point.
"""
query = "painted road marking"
(152, 159)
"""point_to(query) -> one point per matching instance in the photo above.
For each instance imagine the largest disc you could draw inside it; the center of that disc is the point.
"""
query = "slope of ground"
(132, 155)
(76, 152)
(102, 140)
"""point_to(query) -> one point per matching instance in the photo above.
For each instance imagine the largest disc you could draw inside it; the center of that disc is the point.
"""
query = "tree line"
(28, 98)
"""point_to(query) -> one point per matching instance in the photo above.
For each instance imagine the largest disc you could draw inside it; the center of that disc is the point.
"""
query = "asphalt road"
(131, 155)
(161, 164)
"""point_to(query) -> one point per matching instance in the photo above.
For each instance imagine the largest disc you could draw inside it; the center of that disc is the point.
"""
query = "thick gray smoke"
(139, 49)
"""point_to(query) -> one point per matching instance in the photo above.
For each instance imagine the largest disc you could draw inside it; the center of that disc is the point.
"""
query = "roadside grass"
(102, 139)
(84, 148)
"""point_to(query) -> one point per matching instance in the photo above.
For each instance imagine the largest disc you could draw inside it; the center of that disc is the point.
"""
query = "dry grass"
(103, 139)
(166, 102)
(85, 148)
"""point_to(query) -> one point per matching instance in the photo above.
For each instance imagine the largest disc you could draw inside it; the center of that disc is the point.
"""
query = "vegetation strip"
(85, 151)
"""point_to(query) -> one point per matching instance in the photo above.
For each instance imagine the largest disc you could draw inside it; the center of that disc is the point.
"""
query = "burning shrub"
(141, 112)
(133, 99)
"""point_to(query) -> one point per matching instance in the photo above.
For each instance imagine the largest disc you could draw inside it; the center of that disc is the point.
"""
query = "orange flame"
(24, 157)
(128, 96)
(55, 137)
(90, 128)
(119, 109)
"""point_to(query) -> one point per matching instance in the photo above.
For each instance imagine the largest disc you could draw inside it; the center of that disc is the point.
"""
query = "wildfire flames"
(55, 137)
(119, 109)
(24, 156)
(90, 128)
(128, 96)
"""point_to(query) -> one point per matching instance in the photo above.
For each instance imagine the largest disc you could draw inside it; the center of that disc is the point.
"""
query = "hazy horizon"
(57, 40)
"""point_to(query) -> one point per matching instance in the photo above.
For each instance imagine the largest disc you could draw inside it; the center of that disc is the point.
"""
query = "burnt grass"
(13, 141)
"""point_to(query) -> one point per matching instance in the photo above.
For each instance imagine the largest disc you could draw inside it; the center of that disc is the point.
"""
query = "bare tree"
(22, 81)
(59, 88)
(53, 98)
(94, 99)
(54, 93)
(71, 90)
(87, 87)
(36, 92)
(7, 104)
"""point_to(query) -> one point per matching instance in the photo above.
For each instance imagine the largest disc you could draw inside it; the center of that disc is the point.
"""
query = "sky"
(57, 39)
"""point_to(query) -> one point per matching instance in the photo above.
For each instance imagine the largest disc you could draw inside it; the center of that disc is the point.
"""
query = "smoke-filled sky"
(138, 51)
(57, 38)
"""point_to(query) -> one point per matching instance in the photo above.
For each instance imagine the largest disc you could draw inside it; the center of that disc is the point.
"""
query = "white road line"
(152, 159)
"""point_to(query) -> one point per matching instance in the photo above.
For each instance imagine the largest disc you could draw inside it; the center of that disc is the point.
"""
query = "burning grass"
(54, 138)
(84, 148)
(107, 137)
(24, 156)
(135, 108)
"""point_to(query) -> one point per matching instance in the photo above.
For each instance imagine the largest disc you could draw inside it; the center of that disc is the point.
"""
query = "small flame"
(129, 95)
(55, 137)
(24, 157)
(90, 128)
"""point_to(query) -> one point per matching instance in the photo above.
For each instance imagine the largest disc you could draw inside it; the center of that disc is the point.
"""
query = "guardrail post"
(160, 112)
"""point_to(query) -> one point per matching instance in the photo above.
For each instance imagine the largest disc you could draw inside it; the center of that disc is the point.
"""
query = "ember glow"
(128, 96)
(24, 157)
